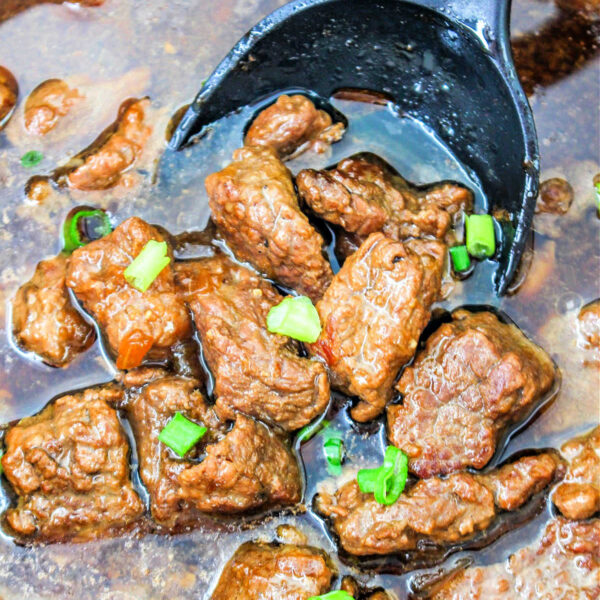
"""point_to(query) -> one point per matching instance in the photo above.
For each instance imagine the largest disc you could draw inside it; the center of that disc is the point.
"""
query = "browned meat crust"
(44, 320)
(150, 321)
(69, 465)
(363, 197)
(259, 571)
(373, 314)
(475, 377)
(9, 90)
(244, 469)
(578, 497)
(563, 565)
(47, 103)
(254, 205)
(589, 326)
(293, 125)
(100, 166)
(441, 510)
(256, 372)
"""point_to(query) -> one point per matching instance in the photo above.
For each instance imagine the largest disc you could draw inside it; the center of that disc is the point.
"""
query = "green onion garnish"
(386, 482)
(597, 186)
(310, 430)
(480, 234)
(85, 226)
(337, 595)
(392, 476)
(334, 454)
(31, 158)
(460, 258)
(180, 434)
(296, 317)
(147, 265)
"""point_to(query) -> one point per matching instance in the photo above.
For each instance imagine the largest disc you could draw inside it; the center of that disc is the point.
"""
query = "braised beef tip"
(9, 90)
(137, 325)
(372, 315)
(259, 571)
(293, 125)
(47, 103)
(444, 511)
(362, 196)
(476, 377)
(246, 468)
(101, 164)
(45, 321)
(256, 372)
(578, 497)
(254, 205)
(563, 565)
(69, 466)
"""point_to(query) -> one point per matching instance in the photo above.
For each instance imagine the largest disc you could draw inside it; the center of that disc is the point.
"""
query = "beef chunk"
(244, 469)
(293, 125)
(556, 196)
(101, 164)
(254, 205)
(475, 377)
(589, 326)
(443, 511)
(373, 314)
(363, 196)
(563, 565)
(578, 497)
(44, 320)
(69, 466)
(256, 372)
(259, 571)
(48, 102)
(9, 90)
(137, 324)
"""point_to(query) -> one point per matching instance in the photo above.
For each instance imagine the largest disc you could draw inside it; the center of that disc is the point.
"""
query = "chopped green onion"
(392, 477)
(480, 234)
(310, 430)
(296, 317)
(337, 595)
(85, 226)
(460, 258)
(597, 186)
(366, 480)
(334, 453)
(180, 434)
(147, 265)
(31, 158)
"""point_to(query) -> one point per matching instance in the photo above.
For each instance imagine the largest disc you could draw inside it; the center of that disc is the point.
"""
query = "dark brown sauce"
(175, 47)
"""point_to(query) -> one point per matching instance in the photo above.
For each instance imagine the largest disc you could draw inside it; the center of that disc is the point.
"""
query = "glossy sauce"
(164, 50)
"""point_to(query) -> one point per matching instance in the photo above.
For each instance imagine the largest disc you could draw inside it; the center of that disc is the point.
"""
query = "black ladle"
(447, 64)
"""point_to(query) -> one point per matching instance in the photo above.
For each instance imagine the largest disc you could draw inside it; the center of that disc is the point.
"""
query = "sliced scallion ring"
(181, 434)
(296, 317)
(337, 595)
(460, 258)
(366, 480)
(392, 477)
(85, 226)
(480, 236)
(334, 454)
(147, 265)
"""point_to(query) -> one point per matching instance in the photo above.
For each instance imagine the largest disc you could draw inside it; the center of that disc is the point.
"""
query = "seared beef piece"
(475, 377)
(69, 465)
(293, 125)
(373, 314)
(9, 90)
(444, 511)
(259, 571)
(254, 205)
(137, 324)
(362, 196)
(578, 497)
(44, 320)
(350, 585)
(589, 326)
(116, 149)
(256, 372)
(246, 468)
(563, 565)
(48, 102)
(556, 196)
